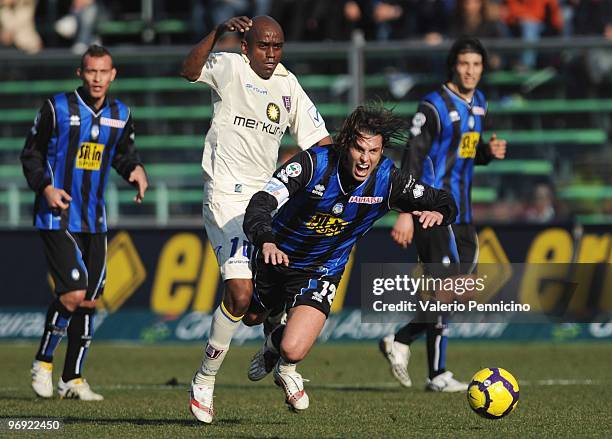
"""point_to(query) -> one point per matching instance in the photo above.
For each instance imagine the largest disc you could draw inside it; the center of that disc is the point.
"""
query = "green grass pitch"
(565, 392)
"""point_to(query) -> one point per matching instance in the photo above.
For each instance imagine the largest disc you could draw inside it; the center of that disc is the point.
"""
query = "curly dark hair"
(371, 119)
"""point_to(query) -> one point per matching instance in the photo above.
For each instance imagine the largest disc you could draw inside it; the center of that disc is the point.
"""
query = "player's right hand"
(403, 230)
(57, 198)
(273, 255)
(429, 218)
(236, 24)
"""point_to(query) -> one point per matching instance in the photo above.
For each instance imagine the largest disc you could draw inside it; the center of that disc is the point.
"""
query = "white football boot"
(445, 383)
(201, 402)
(398, 355)
(42, 378)
(77, 388)
(293, 386)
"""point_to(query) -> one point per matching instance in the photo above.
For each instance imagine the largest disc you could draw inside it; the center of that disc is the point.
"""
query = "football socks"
(58, 319)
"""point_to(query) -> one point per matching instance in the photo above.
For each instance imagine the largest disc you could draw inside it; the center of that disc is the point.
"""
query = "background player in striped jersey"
(74, 141)
(327, 198)
(445, 145)
(256, 99)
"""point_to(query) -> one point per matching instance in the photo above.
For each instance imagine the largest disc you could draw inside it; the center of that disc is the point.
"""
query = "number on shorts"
(328, 290)
(246, 248)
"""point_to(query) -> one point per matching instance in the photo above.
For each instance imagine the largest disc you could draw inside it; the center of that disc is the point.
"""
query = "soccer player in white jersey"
(255, 100)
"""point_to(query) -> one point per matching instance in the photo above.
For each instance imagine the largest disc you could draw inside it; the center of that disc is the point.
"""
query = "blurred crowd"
(315, 20)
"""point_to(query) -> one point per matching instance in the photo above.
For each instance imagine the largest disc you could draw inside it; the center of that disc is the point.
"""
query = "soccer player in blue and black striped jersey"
(446, 143)
(327, 198)
(67, 157)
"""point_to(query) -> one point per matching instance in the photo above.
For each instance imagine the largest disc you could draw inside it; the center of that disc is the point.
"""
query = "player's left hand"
(273, 255)
(138, 178)
(497, 147)
(428, 218)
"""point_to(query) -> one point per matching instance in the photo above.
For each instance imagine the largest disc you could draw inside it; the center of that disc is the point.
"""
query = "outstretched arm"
(408, 195)
(424, 128)
(194, 62)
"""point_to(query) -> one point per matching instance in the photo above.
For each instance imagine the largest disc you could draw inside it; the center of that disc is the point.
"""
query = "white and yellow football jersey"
(250, 116)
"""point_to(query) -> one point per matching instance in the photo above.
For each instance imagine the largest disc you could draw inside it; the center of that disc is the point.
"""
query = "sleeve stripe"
(311, 169)
(52, 111)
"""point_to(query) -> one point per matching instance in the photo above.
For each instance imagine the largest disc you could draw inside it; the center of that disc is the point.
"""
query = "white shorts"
(223, 226)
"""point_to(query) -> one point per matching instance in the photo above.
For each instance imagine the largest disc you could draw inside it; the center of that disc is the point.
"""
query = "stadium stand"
(556, 134)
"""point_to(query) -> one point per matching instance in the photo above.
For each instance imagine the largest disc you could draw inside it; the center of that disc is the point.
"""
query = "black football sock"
(276, 337)
(58, 319)
(80, 333)
(436, 349)
(410, 332)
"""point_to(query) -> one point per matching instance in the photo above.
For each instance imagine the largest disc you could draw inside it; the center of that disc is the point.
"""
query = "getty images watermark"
(528, 293)
(429, 291)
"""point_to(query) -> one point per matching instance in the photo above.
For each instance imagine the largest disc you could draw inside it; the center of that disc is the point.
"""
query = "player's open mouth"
(361, 170)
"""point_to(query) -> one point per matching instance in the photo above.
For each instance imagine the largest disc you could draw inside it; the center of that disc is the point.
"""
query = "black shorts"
(77, 261)
(452, 250)
(277, 286)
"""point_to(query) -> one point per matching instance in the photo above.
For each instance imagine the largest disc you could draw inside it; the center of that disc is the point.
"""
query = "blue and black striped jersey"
(72, 146)
(446, 143)
(320, 219)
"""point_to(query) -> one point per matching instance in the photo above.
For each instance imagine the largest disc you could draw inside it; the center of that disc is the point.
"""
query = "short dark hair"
(371, 119)
(464, 45)
(95, 51)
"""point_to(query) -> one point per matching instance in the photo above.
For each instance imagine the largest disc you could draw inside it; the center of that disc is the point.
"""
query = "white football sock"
(285, 367)
(222, 329)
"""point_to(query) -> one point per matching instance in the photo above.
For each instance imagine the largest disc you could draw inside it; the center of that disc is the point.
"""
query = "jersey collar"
(339, 169)
(280, 69)
(80, 93)
(459, 98)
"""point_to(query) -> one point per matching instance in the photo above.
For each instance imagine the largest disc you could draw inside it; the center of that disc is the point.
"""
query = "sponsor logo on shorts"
(75, 275)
